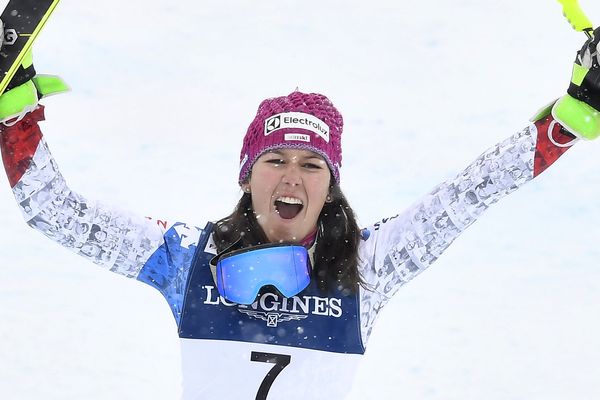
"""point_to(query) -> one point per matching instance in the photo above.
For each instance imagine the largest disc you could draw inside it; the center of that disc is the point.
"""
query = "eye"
(311, 165)
(275, 161)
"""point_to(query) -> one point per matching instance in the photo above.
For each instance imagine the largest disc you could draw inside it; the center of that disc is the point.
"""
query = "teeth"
(289, 200)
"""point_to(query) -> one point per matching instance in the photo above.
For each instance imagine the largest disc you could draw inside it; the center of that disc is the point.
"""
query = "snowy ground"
(162, 94)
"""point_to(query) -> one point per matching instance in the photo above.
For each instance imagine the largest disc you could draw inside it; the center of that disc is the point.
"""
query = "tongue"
(287, 211)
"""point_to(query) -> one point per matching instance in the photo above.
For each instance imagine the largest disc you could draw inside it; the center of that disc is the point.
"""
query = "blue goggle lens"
(241, 274)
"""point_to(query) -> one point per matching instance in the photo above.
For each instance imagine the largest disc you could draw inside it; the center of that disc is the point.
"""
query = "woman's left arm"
(397, 249)
(400, 247)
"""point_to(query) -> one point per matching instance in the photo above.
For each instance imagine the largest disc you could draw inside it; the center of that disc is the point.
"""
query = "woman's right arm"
(116, 240)
(155, 252)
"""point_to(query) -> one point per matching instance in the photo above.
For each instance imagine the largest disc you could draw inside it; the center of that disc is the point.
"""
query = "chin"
(285, 237)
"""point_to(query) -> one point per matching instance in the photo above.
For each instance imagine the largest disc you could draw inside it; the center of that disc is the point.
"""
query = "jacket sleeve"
(155, 252)
(114, 239)
(397, 249)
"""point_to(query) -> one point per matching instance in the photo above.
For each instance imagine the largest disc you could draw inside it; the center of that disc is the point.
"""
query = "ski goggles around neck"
(240, 274)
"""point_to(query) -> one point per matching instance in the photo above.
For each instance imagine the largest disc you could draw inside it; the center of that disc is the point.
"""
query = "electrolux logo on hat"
(297, 120)
(272, 124)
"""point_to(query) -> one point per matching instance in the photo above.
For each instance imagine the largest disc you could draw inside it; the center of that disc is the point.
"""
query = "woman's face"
(289, 188)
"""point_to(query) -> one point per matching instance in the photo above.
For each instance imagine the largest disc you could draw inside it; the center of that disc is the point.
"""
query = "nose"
(292, 175)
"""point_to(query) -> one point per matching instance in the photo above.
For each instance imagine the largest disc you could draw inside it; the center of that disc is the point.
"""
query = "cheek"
(261, 200)
(262, 181)
(318, 194)
(264, 178)
(262, 196)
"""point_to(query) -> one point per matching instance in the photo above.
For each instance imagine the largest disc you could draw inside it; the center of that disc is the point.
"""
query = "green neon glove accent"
(50, 84)
(25, 97)
(17, 100)
(575, 15)
(543, 112)
(577, 117)
(579, 73)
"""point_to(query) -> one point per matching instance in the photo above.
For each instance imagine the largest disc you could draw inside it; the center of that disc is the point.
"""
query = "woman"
(276, 346)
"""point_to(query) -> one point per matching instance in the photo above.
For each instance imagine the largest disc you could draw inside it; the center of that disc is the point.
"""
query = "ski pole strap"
(579, 73)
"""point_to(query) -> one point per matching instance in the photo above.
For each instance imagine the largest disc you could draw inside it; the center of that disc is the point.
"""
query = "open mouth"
(288, 207)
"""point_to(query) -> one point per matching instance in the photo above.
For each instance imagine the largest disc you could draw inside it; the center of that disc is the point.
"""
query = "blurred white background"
(162, 93)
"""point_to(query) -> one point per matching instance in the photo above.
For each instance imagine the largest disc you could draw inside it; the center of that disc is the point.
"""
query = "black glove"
(585, 82)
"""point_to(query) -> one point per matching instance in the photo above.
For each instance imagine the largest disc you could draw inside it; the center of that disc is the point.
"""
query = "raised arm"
(400, 247)
(116, 240)
(155, 252)
(397, 249)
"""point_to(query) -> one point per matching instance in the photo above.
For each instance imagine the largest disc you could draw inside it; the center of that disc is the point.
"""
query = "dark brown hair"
(338, 237)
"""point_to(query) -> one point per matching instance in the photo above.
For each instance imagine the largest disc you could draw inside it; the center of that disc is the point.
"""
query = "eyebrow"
(307, 157)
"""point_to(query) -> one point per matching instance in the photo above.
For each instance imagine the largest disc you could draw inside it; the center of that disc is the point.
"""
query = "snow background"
(162, 94)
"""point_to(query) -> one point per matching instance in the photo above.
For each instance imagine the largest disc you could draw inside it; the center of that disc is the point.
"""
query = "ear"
(246, 188)
(329, 198)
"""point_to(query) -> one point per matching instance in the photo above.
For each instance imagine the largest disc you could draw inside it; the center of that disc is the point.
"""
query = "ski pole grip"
(575, 15)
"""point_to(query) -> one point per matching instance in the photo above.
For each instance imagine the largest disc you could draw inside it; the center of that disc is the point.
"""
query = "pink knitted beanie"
(299, 120)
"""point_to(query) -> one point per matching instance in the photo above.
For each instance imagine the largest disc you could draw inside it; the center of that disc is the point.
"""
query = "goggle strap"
(215, 260)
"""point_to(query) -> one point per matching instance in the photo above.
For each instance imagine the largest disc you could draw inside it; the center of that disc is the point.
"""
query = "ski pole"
(577, 18)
